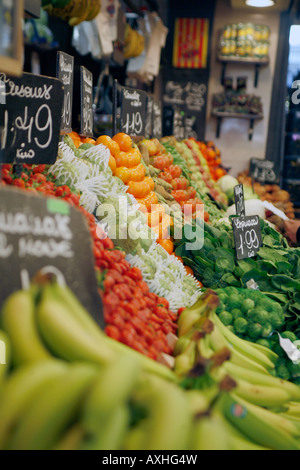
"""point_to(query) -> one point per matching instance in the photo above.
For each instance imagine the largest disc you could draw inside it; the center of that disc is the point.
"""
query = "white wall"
(236, 149)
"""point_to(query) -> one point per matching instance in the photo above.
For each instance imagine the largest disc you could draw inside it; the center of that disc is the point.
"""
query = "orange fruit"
(167, 244)
(189, 270)
(87, 140)
(123, 140)
(112, 164)
(107, 141)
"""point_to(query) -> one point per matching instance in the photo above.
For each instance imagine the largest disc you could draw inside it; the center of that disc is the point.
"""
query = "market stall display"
(195, 341)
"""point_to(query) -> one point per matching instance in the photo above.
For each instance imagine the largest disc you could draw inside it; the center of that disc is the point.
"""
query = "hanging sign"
(86, 103)
(65, 72)
(264, 171)
(37, 234)
(30, 128)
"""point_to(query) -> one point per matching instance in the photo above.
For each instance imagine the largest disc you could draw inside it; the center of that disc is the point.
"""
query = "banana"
(199, 401)
(199, 311)
(185, 361)
(66, 296)
(112, 389)
(71, 439)
(293, 409)
(243, 346)
(236, 439)
(169, 419)
(65, 336)
(259, 378)
(111, 432)
(54, 410)
(22, 387)
(209, 433)
(262, 395)
(267, 351)
(181, 345)
(218, 342)
(262, 426)
(18, 321)
(61, 316)
(5, 356)
(149, 365)
(204, 348)
(95, 8)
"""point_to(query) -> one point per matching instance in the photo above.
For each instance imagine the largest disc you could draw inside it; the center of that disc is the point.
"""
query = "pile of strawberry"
(133, 315)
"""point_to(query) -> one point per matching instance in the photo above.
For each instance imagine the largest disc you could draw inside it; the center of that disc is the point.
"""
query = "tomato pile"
(133, 315)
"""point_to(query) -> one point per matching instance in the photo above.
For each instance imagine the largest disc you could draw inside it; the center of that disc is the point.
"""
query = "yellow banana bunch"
(254, 409)
(76, 11)
(134, 42)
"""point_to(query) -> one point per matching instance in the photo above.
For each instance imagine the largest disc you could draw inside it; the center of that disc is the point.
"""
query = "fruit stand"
(137, 316)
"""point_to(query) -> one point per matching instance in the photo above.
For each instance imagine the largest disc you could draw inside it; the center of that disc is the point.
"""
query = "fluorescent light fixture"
(260, 3)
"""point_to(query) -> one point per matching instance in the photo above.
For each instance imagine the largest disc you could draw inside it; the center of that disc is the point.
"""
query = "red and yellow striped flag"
(190, 43)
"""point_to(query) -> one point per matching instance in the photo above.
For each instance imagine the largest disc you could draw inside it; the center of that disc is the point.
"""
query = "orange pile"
(126, 164)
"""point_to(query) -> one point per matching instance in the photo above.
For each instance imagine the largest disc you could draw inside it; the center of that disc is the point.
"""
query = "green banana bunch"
(19, 323)
(54, 410)
(70, 332)
(5, 356)
(262, 426)
(166, 422)
(21, 389)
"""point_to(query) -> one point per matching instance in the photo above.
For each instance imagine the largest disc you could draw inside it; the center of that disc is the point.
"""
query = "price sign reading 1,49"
(247, 236)
(30, 129)
(87, 120)
(133, 111)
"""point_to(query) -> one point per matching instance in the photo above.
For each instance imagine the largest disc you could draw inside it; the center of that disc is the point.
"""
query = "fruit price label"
(247, 236)
(264, 171)
(86, 103)
(46, 235)
(65, 72)
(30, 130)
(133, 111)
(239, 200)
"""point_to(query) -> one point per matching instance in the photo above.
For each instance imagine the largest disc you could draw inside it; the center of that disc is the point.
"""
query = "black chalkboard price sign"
(30, 129)
(264, 171)
(86, 103)
(133, 111)
(157, 120)
(247, 236)
(239, 200)
(65, 72)
(149, 118)
(48, 235)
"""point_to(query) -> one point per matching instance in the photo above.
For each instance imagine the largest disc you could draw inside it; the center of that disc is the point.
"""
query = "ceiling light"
(260, 3)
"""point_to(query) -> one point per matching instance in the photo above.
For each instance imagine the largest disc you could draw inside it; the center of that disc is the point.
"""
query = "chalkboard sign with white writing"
(29, 123)
(149, 118)
(65, 72)
(264, 171)
(49, 235)
(239, 200)
(247, 236)
(157, 120)
(86, 114)
(133, 111)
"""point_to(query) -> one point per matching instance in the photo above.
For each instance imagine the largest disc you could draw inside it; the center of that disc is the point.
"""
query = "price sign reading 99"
(133, 111)
(247, 236)
(29, 126)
